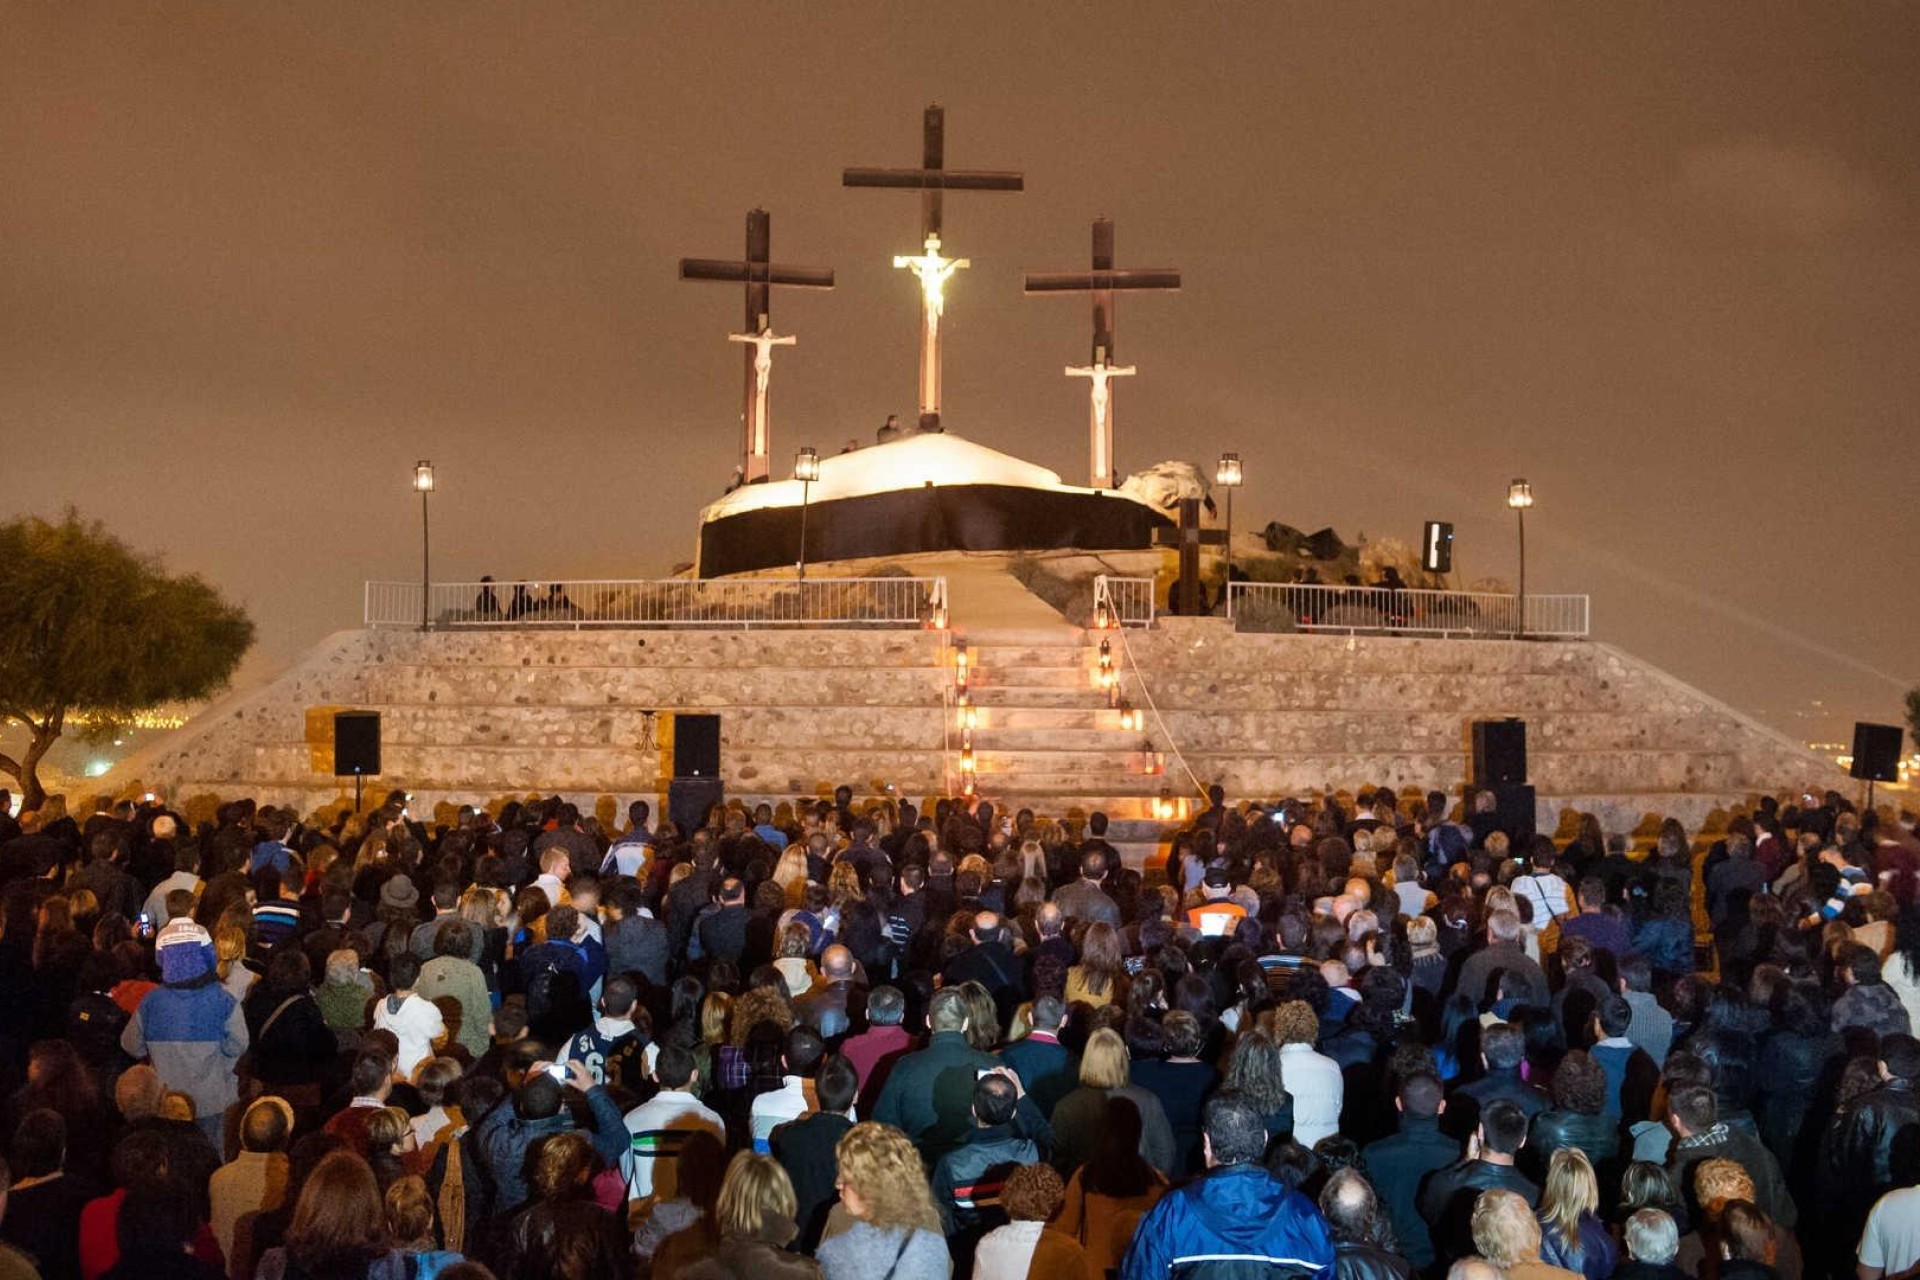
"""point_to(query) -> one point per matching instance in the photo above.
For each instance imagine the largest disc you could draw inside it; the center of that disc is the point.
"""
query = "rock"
(1163, 484)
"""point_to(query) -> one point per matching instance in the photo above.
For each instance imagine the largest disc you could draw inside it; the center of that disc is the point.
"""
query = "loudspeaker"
(356, 743)
(1436, 547)
(690, 799)
(1876, 752)
(1499, 752)
(1517, 815)
(696, 746)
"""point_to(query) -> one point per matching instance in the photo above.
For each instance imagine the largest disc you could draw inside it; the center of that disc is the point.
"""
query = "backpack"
(94, 1024)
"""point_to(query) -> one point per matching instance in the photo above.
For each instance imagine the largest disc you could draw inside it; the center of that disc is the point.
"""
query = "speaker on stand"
(356, 748)
(696, 785)
(1876, 754)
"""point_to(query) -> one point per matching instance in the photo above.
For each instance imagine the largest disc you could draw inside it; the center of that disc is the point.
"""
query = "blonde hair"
(1571, 1190)
(1717, 1181)
(713, 1017)
(1294, 1023)
(230, 946)
(1422, 933)
(386, 1129)
(1104, 1064)
(1504, 1229)
(882, 1166)
(756, 1191)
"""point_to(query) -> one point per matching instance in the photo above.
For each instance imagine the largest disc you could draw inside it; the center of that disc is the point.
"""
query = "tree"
(89, 626)
(1913, 716)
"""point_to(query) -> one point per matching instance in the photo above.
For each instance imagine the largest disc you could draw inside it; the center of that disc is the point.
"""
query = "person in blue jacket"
(191, 1026)
(1235, 1222)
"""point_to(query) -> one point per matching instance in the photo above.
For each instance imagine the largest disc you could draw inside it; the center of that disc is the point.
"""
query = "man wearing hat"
(1218, 913)
(191, 1026)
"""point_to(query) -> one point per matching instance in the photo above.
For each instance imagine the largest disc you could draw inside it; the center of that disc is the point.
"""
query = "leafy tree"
(89, 626)
(1913, 716)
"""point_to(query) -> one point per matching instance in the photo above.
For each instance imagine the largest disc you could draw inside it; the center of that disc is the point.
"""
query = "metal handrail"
(1297, 606)
(711, 603)
(1127, 601)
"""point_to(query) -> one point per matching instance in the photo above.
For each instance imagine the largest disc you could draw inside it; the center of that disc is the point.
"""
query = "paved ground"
(983, 594)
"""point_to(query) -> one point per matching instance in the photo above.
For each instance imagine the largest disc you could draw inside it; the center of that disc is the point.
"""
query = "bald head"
(837, 962)
(1050, 920)
(986, 927)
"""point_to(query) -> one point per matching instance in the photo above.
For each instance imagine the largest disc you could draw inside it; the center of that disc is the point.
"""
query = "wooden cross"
(932, 180)
(760, 276)
(1103, 281)
(1189, 538)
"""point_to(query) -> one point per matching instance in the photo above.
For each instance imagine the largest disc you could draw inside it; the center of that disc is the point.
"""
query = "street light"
(1520, 497)
(423, 485)
(806, 469)
(1228, 476)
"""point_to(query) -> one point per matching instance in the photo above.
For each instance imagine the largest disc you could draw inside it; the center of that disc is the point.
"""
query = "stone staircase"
(1045, 738)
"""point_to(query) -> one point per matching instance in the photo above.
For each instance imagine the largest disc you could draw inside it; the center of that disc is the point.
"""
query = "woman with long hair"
(1105, 1072)
(1571, 1233)
(410, 1222)
(1108, 1195)
(1100, 976)
(1902, 969)
(339, 1229)
(894, 1227)
(1255, 1071)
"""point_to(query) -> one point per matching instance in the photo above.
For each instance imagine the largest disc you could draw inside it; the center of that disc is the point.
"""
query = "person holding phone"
(539, 1111)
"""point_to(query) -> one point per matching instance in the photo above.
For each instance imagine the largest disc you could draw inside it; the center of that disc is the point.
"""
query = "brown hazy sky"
(1660, 259)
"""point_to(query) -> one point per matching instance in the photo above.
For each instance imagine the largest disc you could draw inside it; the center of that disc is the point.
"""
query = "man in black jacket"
(1447, 1199)
(1502, 1048)
(991, 963)
(1353, 1217)
(1874, 1145)
(968, 1179)
(1399, 1164)
(805, 1148)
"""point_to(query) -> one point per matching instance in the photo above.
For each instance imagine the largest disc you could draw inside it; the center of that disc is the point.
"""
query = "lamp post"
(1228, 476)
(806, 469)
(1520, 497)
(423, 485)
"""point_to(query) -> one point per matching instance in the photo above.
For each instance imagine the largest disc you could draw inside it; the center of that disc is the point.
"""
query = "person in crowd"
(1104, 1074)
(1024, 1248)
(755, 1213)
(339, 1229)
(1506, 1234)
(1362, 1236)
(1398, 1165)
(1108, 1195)
(1447, 1197)
(805, 1147)
(1236, 1211)
(1571, 1234)
(969, 1179)
(562, 1233)
(254, 1181)
(1651, 1241)
(191, 1026)
(887, 1220)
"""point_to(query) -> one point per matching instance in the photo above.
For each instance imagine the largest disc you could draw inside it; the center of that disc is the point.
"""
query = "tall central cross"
(760, 276)
(1103, 281)
(933, 269)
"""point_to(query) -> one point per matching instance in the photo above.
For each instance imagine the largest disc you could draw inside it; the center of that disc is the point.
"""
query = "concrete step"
(1121, 756)
(629, 649)
(1012, 719)
(993, 737)
(798, 726)
(1027, 697)
(1034, 678)
(643, 687)
(1045, 637)
(1029, 655)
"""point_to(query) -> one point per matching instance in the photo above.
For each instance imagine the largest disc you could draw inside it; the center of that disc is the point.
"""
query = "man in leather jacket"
(1353, 1215)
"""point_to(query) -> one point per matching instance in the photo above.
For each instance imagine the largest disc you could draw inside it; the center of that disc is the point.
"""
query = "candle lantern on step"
(960, 670)
(969, 714)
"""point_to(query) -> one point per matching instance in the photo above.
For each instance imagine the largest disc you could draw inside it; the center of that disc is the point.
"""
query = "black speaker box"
(696, 746)
(356, 743)
(1876, 752)
(690, 799)
(1499, 752)
(1517, 815)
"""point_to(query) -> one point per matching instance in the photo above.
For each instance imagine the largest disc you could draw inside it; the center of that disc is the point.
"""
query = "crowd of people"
(1358, 1037)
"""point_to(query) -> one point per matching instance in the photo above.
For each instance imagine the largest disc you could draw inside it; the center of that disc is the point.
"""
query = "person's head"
(1503, 1046)
(1579, 1084)
(1718, 1182)
(1295, 1023)
(881, 1179)
(561, 1165)
(1257, 1073)
(371, 1074)
(836, 1085)
(1421, 1095)
(403, 971)
(803, 1050)
(1093, 865)
(410, 1213)
(1652, 1237)
(675, 1067)
(157, 1218)
(435, 1080)
(1571, 1190)
(948, 1010)
(886, 1006)
(267, 1125)
(1900, 1058)
(1747, 1234)
(1694, 1109)
(563, 922)
(1104, 1063)
(1032, 1193)
(994, 1101)
(836, 962)
(756, 1197)
(1233, 1129)
(1503, 1128)
(1504, 1229)
(1351, 1209)
(1049, 1012)
(137, 1093)
(386, 1130)
(339, 1217)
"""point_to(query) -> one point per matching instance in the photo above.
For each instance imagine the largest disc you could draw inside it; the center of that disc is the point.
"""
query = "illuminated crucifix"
(760, 276)
(932, 180)
(1102, 282)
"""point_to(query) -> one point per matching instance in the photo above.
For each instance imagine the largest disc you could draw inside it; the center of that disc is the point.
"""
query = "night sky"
(1661, 260)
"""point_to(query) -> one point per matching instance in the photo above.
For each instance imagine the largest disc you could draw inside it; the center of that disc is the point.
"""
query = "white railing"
(1128, 601)
(671, 602)
(1287, 606)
